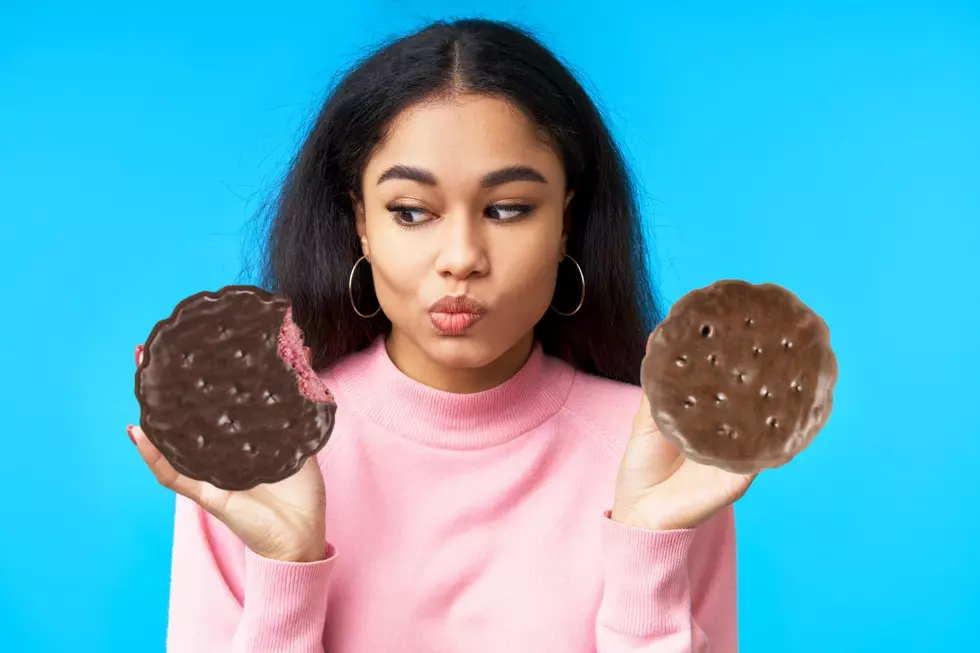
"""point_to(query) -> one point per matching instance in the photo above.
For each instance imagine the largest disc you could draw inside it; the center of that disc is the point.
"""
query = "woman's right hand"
(281, 521)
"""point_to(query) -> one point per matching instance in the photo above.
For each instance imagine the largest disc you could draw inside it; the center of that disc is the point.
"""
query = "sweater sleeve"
(224, 598)
(669, 591)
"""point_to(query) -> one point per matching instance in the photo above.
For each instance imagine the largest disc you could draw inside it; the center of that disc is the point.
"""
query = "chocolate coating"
(740, 376)
(217, 397)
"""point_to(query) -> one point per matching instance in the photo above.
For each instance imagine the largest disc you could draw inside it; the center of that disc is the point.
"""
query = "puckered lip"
(458, 304)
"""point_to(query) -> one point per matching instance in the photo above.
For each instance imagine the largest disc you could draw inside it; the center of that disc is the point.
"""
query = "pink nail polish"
(139, 350)
(129, 432)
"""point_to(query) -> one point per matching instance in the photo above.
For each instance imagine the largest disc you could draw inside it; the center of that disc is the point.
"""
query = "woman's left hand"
(658, 489)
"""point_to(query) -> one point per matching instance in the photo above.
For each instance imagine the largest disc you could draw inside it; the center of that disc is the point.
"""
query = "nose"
(463, 251)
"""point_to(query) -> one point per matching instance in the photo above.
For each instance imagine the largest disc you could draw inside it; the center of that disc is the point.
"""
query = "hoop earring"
(582, 297)
(350, 290)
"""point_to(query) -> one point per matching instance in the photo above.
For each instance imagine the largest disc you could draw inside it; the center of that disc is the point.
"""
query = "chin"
(464, 351)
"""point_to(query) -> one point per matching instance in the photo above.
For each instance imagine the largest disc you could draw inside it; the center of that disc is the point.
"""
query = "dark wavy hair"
(309, 243)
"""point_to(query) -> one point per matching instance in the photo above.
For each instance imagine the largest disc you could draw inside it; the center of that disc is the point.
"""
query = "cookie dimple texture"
(217, 397)
(740, 376)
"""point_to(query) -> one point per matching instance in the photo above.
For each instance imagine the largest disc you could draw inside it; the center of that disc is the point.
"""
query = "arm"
(669, 591)
(224, 598)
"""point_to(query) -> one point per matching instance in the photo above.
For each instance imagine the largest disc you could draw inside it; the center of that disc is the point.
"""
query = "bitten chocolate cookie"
(225, 392)
(740, 376)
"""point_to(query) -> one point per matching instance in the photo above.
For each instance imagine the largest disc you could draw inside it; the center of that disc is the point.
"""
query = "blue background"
(828, 147)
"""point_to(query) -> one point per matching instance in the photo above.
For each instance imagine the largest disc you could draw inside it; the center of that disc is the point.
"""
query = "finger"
(648, 449)
(643, 422)
(643, 419)
(713, 479)
(749, 479)
(139, 354)
(739, 484)
(164, 472)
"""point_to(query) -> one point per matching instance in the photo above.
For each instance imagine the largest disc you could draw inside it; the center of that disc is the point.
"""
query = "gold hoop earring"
(582, 297)
(350, 290)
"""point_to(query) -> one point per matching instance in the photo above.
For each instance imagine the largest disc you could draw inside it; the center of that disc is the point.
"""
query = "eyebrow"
(489, 180)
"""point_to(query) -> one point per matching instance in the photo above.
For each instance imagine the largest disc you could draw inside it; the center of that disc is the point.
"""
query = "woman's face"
(463, 198)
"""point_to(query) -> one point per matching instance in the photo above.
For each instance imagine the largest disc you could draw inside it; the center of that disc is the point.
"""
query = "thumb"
(164, 472)
(646, 442)
(643, 422)
(649, 458)
(645, 428)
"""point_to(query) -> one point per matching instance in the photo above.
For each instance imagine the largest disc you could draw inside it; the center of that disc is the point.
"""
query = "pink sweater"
(474, 523)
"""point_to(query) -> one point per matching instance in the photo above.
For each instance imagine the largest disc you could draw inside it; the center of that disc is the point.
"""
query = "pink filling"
(292, 352)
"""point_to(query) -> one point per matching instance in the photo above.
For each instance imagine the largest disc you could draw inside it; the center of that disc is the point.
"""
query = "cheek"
(397, 266)
(529, 274)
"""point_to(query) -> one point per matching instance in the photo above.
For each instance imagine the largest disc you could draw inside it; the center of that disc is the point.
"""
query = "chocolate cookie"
(740, 376)
(225, 392)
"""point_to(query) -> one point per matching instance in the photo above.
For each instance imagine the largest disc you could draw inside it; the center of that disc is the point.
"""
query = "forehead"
(463, 136)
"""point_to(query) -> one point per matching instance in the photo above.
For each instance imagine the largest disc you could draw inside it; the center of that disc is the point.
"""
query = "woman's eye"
(408, 214)
(411, 216)
(504, 212)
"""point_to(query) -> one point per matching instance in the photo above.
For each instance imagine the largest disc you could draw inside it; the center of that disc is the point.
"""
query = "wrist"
(299, 556)
(309, 548)
(311, 556)
(312, 550)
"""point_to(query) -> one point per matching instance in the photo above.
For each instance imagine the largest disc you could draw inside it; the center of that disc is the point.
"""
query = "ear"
(566, 222)
(360, 223)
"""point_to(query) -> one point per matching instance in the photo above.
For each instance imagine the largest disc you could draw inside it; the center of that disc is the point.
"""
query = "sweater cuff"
(285, 603)
(646, 589)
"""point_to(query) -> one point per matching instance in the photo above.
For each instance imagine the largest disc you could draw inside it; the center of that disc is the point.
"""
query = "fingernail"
(139, 350)
(129, 432)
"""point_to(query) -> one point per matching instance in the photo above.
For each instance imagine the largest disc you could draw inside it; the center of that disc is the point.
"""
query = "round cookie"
(740, 376)
(225, 392)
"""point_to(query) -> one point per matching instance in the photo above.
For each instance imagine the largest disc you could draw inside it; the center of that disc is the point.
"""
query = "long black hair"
(310, 244)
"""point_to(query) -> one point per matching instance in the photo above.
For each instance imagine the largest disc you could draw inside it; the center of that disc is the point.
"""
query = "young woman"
(460, 241)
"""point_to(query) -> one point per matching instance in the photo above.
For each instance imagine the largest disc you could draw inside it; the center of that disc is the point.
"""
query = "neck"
(419, 366)
(369, 383)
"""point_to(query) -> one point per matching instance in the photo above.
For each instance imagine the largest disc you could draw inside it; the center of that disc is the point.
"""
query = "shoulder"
(604, 408)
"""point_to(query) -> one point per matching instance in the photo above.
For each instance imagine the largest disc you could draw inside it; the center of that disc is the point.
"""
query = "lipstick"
(454, 314)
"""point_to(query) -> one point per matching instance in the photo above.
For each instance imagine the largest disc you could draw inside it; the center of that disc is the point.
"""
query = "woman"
(460, 240)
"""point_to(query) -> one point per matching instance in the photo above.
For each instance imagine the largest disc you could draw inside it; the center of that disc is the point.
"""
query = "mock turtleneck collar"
(369, 383)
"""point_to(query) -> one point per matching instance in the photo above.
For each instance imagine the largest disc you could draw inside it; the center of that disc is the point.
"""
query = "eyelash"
(395, 209)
